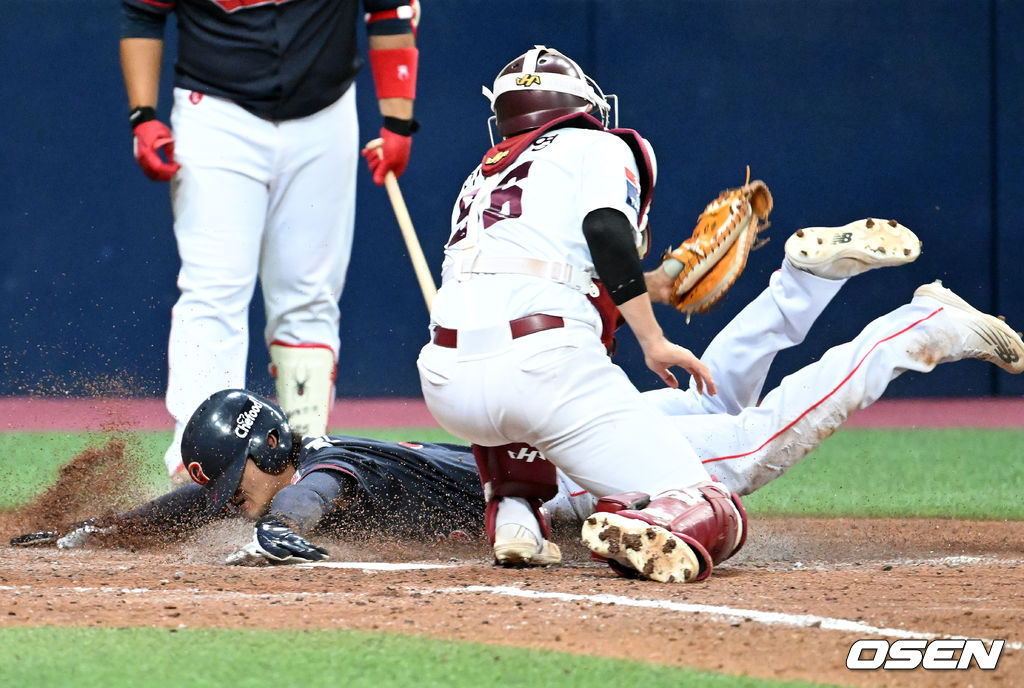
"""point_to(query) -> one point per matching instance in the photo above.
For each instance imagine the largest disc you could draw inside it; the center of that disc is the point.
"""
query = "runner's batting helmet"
(231, 426)
(539, 86)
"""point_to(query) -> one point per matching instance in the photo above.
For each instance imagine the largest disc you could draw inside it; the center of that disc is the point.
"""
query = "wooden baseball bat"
(412, 243)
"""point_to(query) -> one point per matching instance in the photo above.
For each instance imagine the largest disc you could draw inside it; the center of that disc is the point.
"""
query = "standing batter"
(516, 353)
(262, 167)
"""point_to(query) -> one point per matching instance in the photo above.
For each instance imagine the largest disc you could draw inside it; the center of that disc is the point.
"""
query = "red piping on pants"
(822, 400)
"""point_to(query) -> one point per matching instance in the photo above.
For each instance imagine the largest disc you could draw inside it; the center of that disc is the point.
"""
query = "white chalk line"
(375, 565)
(715, 612)
(952, 562)
(720, 613)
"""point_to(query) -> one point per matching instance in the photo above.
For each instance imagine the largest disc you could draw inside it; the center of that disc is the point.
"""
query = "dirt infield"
(788, 606)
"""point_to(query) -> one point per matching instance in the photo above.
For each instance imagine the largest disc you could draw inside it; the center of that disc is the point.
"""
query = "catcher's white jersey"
(534, 209)
(516, 249)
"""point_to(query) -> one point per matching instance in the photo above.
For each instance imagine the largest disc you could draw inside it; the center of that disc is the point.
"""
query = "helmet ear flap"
(274, 459)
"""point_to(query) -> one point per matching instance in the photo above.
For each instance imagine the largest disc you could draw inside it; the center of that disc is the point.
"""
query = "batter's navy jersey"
(400, 486)
(279, 59)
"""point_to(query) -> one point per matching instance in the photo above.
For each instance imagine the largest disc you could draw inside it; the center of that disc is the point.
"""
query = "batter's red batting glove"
(393, 153)
(150, 136)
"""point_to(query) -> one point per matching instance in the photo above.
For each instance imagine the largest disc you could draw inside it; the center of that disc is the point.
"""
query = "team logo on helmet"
(246, 418)
(195, 471)
(528, 80)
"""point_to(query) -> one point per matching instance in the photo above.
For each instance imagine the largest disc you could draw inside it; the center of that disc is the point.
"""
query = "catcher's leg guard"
(677, 537)
(520, 471)
(304, 379)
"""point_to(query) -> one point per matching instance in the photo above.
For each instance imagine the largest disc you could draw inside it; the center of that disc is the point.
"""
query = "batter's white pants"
(252, 199)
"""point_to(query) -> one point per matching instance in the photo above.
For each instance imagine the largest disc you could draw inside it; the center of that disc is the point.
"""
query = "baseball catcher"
(707, 264)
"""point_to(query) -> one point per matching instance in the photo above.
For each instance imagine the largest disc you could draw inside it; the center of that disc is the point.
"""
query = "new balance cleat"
(842, 252)
(986, 337)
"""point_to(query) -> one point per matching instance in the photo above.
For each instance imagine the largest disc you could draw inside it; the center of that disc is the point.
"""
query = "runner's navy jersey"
(405, 487)
(279, 59)
(400, 488)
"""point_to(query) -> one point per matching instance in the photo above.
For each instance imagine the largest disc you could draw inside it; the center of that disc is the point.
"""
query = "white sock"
(517, 511)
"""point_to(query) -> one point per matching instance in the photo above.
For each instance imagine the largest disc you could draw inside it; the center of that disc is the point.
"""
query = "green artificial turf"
(198, 658)
(957, 473)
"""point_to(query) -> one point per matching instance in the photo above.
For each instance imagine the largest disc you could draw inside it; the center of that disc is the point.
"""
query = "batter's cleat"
(986, 337)
(842, 252)
(653, 552)
(516, 546)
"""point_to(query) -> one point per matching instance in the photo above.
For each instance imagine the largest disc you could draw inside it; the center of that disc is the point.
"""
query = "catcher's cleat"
(986, 337)
(634, 545)
(841, 252)
(517, 546)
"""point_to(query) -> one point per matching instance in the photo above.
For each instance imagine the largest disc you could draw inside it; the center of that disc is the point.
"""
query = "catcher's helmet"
(539, 86)
(229, 427)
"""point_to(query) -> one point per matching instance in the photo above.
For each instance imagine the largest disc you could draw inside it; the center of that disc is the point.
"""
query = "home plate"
(374, 565)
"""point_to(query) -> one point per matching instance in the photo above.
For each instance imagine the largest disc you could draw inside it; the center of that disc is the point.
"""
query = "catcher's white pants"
(255, 198)
(558, 391)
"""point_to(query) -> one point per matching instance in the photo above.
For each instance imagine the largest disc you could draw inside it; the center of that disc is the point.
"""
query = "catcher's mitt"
(708, 263)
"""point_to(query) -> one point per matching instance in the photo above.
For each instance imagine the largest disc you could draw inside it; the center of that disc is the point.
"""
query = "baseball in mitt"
(707, 264)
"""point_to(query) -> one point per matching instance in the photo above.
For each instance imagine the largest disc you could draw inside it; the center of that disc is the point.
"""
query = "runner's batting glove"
(77, 535)
(150, 136)
(393, 152)
(40, 539)
(82, 533)
(276, 543)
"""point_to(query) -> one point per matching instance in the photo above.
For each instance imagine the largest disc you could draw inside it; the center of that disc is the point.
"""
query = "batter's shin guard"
(304, 379)
(678, 537)
(518, 470)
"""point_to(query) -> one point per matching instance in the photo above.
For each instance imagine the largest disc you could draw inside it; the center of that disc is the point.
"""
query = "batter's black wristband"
(402, 127)
(141, 114)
